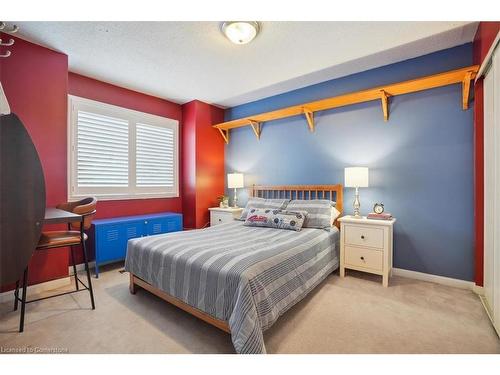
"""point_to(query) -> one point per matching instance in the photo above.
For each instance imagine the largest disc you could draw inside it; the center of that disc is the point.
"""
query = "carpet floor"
(351, 315)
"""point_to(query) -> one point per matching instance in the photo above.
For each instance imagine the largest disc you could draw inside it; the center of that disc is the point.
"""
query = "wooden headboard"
(332, 192)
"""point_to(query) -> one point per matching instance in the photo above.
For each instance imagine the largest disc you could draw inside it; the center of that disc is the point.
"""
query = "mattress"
(246, 276)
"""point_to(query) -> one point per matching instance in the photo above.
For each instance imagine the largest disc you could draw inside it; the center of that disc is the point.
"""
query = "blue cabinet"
(110, 236)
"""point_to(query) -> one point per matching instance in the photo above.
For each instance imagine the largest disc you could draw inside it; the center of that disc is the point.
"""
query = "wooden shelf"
(382, 93)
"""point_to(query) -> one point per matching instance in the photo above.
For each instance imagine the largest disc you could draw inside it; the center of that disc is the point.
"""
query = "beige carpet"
(351, 315)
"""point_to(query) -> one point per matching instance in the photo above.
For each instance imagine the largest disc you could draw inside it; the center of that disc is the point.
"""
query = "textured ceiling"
(182, 61)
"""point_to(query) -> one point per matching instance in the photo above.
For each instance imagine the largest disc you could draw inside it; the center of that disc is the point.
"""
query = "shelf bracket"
(225, 134)
(310, 118)
(385, 104)
(256, 126)
(466, 90)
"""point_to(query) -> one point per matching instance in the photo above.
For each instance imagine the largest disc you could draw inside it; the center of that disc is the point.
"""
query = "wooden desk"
(57, 216)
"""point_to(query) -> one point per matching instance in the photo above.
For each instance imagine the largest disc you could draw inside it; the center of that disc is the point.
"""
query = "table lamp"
(356, 177)
(235, 181)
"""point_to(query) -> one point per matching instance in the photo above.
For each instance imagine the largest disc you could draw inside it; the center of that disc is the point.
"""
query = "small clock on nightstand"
(366, 245)
(378, 208)
(220, 215)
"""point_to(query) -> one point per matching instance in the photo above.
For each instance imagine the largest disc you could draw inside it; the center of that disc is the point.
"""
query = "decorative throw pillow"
(319, 212)
(255, 202)
(280, 219)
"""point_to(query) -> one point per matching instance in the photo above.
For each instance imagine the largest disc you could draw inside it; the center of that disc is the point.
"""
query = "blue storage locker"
(111, 235)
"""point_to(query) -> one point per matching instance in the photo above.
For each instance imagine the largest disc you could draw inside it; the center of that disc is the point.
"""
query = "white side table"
(224, 215)
(366, 245)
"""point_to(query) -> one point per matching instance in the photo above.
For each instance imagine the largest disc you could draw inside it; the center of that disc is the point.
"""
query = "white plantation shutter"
(102, 150)
(117, 153)
(154, 156)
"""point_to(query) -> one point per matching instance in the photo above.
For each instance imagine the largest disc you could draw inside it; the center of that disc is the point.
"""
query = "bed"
(239, 279)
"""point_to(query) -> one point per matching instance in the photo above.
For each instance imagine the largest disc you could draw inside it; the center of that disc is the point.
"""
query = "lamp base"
(357, 205)
(235, 200)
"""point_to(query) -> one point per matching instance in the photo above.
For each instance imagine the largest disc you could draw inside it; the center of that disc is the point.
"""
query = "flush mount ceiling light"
(240, 32)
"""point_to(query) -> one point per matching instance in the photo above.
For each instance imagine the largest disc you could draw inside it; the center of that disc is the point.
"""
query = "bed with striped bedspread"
(246, 276)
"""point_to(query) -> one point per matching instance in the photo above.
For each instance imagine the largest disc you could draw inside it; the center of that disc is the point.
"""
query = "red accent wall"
(189, 164)
(203, 162)
(89, 88)
(485, 35)
(35, 80)
(209, 161)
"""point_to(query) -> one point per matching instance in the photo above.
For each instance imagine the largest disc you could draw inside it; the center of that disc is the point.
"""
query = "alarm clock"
(378, 208)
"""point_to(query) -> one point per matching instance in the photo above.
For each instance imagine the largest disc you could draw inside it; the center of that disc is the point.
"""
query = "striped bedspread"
(246, 276)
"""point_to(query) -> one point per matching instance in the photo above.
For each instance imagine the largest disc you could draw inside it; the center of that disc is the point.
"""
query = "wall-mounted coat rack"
(10, 42)
(382, 93)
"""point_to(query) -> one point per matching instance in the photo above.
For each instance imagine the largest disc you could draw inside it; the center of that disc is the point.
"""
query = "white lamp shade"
(356, 177)
(234, 180)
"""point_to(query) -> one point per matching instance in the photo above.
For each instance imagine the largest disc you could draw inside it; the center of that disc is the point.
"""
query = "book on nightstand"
(382, 216)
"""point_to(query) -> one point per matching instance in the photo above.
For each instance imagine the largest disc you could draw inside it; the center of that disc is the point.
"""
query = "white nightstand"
(366, 245)
(224, 215)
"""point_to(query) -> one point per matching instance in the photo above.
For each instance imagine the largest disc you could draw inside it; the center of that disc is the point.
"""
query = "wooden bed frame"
(332, 192)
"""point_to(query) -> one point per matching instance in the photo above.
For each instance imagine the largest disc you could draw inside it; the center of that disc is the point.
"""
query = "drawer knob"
(362, 258)
(220, 219)
(362, 237)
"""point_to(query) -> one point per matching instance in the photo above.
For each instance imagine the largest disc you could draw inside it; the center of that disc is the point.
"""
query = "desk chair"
(72, 237)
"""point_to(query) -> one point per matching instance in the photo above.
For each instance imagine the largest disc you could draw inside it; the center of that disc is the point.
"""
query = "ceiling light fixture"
(240, 32)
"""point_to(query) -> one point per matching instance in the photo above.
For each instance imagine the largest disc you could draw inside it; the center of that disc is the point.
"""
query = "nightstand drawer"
(364, 236)
(366, 258)
(220, 217)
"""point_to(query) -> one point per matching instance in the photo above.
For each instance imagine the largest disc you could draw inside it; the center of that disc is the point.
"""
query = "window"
(118, 153)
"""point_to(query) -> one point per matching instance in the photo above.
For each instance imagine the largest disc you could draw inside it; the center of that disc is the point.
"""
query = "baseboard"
(37, 288)
(487, 308)
(479, 290)
(448, 281)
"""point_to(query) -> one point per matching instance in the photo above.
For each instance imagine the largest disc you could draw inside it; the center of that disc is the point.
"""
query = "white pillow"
(318, 211)
(334, 214)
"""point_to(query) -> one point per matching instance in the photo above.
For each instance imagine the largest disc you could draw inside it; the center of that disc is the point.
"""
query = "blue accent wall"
(421, 160)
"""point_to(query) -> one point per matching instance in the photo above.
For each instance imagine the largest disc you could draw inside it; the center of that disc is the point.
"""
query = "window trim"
(133, 117)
